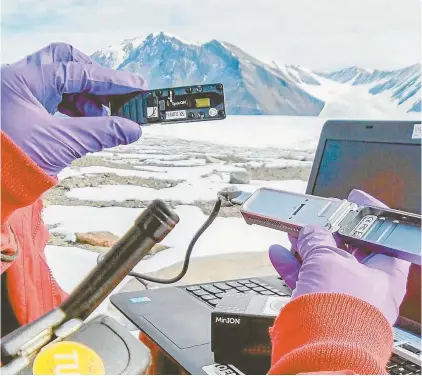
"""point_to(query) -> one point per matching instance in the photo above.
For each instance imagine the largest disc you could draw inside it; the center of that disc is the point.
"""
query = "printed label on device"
(363, 226)
(417, 131)
(152, 112)
(67, 357)
(140, 299)
(173, 115)
(221, 369)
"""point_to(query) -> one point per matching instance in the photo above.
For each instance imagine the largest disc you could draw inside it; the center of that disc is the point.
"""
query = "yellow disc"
(67, 357)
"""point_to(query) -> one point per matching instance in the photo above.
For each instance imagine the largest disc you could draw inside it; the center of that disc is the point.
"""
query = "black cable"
(141, 277)
(231, 195)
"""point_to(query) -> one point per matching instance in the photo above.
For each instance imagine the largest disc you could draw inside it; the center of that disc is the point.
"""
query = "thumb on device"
(285, 263)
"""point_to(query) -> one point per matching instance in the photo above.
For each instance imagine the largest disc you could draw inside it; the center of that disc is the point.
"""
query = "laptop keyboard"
(400, 366)
(211, 293)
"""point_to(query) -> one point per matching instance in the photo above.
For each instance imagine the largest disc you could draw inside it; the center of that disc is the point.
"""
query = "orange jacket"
(328, 333)
(32, 290)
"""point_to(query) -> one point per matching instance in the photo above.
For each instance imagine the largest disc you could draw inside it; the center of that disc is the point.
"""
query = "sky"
(319, 34)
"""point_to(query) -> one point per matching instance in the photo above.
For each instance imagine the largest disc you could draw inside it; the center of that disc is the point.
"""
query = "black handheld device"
(240, 326)
(171, 105)
(20, 348)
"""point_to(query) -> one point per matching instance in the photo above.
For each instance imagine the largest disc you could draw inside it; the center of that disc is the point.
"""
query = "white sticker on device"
(417, 131)
(174, 115)
(221, 369)
(152, 112)
(363, 226)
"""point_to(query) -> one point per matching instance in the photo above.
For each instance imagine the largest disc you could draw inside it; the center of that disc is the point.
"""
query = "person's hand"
(378, 279)
(61, 78)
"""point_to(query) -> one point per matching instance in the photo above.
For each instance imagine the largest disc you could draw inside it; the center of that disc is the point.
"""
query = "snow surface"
(290, 137)
(200, 181)
(225, 235)
(187, 193)
(284, 132)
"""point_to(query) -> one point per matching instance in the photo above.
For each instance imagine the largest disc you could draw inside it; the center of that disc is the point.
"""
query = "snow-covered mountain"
(402, 85)
(252, 86)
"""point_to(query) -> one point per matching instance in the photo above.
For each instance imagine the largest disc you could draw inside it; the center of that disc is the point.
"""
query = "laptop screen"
(389, 172)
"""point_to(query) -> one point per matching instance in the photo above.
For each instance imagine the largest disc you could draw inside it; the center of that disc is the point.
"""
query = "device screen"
(389, 172)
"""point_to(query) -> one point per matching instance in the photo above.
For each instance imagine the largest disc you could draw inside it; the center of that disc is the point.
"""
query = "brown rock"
(97, 238)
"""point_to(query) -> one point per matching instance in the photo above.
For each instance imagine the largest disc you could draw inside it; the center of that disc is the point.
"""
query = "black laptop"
(381, 158)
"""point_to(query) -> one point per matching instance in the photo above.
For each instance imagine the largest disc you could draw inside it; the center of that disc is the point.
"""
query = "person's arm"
(343, 306)
(330, 332)
(22, 182)
(35, 145)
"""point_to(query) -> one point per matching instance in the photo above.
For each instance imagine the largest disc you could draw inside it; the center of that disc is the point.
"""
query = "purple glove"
(377, 279)
(61, 78)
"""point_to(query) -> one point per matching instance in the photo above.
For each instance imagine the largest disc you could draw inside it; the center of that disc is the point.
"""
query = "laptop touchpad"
(186, 326)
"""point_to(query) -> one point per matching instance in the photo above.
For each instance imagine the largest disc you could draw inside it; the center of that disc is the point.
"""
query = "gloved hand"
(61, 78)
(326, 268)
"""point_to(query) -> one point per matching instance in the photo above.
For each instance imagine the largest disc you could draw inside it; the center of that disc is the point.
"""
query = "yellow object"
(202, 102)
(71, 358)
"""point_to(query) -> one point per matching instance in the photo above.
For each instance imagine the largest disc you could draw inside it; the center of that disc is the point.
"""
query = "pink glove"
(326, 268)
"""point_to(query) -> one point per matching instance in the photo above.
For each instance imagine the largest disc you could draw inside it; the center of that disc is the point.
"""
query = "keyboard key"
(199, 292)
(398, 371)
(211, 289)
(207, 297)
(192, 288)
(258, 289)
(213, 302)
(250, 292)
(269, 293)
(234, 284)
(282, 294)
(255, 281)
(219, 295)
(411, 348)
(391, 365)
(222, 286)
(242, 288)
(412, 367)
(251, 285)
(244, 281)
(397, 359)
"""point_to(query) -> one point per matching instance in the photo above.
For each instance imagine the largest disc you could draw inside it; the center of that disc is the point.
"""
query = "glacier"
(402, 85)
(255, 87)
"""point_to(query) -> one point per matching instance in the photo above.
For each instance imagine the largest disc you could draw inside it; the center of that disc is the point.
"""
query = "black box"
(240, 326)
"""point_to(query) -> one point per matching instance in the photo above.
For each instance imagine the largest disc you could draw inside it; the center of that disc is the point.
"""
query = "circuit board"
(172, 105)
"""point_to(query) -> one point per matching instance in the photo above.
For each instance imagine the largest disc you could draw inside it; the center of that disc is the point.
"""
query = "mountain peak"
(252, 86)
(165, 36)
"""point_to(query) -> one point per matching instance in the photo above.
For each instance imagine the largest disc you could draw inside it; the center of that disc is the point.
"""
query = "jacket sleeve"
(22, 183)
(330, 332)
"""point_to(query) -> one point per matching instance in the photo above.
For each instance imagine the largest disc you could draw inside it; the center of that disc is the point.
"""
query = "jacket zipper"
(53, 287)
(37, 228)
(50, 274)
